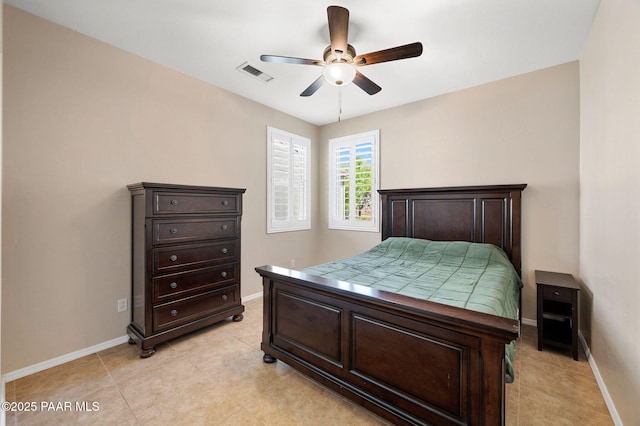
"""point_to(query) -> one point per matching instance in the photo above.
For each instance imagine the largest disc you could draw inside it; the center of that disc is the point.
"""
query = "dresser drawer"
(167, 203)
(175, 286)
(557, 293)
(173, 314)
(188, 230)
(175, 258)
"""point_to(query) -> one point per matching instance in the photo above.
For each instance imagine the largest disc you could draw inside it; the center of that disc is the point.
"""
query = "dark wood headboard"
(480, 214)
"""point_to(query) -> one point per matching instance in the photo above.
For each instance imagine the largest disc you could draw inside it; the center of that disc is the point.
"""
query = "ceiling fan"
(340, 59)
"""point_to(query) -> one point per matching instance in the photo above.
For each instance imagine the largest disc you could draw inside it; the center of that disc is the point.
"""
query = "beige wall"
(82, 120)
(610, 205)
(519, 130)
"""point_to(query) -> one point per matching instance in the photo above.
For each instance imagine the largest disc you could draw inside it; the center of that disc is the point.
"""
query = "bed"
(409, 360)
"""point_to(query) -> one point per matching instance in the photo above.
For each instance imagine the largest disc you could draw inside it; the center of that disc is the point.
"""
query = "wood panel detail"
(396, 366)
(307, 327)
(443, 219)
(493, 225)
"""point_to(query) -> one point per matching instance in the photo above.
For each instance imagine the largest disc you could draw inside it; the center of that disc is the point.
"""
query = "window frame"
(352, 224)
(291, 224)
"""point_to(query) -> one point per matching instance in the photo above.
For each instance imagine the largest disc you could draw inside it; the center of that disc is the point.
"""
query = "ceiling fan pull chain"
(339, 104)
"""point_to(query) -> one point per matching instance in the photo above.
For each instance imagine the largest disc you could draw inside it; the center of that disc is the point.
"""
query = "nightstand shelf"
(557, 311)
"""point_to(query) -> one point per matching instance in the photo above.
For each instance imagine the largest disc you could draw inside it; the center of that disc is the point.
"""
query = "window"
(288, 171)
(353, 182)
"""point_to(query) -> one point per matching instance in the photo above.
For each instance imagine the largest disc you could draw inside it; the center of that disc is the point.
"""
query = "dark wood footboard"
(408, 360)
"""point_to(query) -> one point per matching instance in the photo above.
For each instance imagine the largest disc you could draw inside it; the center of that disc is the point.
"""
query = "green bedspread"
(473, 276)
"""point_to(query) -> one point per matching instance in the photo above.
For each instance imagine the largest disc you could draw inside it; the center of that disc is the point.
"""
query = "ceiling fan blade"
(290, 60)
(314, 87)
(400, 52)
(365, 84)
(338, 18)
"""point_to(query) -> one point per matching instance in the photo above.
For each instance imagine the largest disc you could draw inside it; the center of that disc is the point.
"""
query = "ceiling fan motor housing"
(331, 57)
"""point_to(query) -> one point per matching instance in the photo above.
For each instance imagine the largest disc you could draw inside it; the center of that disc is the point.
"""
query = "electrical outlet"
(122, 305)
(293, 263)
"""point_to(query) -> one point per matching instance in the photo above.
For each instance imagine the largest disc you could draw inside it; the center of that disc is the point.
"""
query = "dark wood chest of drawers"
(186, 260)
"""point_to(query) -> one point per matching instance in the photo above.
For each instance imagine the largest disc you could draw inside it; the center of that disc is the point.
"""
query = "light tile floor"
(216, 377)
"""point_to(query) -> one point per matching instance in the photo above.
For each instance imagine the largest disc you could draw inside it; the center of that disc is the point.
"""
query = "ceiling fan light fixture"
(339, 73)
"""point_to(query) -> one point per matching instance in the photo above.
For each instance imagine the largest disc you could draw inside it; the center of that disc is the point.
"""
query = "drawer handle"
(224, 227)
(173, 258)
(224, 297)
(224, 251)
(225, 203)
(174, 202)
(174, 230)
(173, 285)
(556, 293)
(223, 274)
(174, 313)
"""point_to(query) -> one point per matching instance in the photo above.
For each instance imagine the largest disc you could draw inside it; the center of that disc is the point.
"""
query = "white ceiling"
(466, 43)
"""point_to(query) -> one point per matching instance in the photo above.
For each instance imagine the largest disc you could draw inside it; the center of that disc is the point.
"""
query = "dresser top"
(556, 279)
(173, 187)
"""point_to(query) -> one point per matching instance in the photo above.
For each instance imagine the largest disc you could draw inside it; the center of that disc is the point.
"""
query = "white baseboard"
(603, 388)
(596, 373)
(252, 297)
(23, 372)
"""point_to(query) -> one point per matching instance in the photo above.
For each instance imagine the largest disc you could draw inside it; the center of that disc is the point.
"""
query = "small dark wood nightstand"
(557, 310)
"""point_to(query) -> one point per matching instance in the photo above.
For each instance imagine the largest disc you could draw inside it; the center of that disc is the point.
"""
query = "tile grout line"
(118, 388)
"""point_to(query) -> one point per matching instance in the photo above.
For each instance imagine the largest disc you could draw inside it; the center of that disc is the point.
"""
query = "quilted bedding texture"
(473, 276)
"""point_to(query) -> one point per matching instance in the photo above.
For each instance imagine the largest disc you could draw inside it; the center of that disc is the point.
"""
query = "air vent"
(254, 72)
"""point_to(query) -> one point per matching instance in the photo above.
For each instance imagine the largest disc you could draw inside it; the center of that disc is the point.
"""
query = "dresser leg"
(268, 359)
(238, 317)
(131, 341)
(146, 353)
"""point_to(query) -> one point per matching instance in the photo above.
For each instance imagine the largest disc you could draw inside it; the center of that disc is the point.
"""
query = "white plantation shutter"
(299, 182)
(280, 179)
(353, 182)
(288, 165)
(342, 175)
